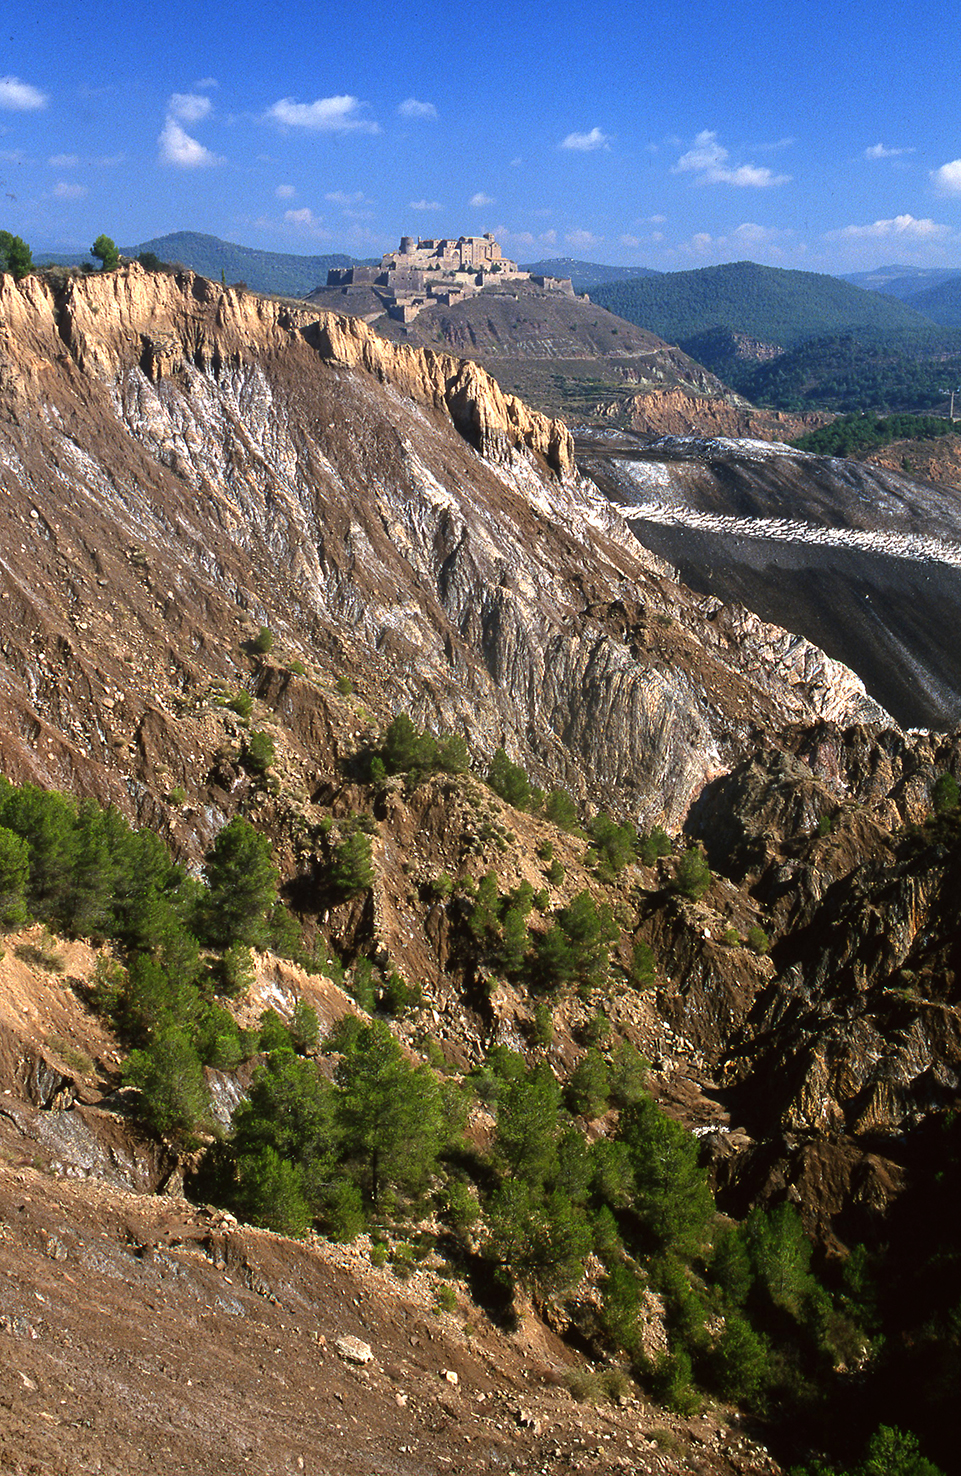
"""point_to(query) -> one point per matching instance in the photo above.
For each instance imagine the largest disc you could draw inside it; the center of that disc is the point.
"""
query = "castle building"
(433, 270)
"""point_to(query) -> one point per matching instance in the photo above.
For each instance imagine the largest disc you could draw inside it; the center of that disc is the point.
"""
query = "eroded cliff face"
(182, 464)
(679, 411)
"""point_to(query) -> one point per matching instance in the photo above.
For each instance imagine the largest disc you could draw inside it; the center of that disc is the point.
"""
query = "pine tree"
(242, 885)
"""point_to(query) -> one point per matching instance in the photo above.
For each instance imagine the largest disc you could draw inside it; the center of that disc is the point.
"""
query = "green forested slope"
(777, 306)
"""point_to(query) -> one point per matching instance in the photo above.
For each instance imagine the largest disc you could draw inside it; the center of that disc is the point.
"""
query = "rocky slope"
(684, 412)
(183, 464)
(862, 559)
(560, 353)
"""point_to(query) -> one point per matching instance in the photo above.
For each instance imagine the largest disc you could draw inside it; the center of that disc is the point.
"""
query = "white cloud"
(188, 107)
(746, 237)
(205, 83)
(326, 115)
(900, 227)
(63, 161)
(20, 97)
(285, 192)
(582, 239)
(709, 162)
(64, 191)
(479, 200)
(426, 205)
(177, 147)
(630, 240)
(411, 108)
(586, 143)
(308, 224)
(548, 238)
(338, 197)
(947, 179)
(878, 151)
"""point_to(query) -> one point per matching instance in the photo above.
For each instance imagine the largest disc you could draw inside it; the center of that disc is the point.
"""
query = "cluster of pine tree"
(381, 1145)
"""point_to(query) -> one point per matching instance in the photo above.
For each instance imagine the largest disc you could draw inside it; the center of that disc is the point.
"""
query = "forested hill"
(942, 302)
(586, 275)
(768, 303)
(262, 271)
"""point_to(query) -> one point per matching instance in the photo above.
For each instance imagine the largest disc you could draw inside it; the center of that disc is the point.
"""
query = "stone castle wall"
(437, 270)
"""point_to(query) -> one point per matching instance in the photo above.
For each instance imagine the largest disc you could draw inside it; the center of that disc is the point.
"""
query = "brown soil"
(140, 1334)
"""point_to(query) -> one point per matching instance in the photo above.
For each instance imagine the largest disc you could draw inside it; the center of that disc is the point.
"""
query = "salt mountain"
(184, 465)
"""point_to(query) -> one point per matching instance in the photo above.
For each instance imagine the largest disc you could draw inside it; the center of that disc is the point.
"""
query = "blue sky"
(815, 135)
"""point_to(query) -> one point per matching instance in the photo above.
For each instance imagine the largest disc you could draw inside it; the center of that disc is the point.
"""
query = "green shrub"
(509, 780)
(344, 686)
(693, 875)
(758, 940)
(628, 1075)
(561, 810)
(740, 1362)
(170, 1078)
(543, 1032)
(398, 998)
(241, 886)
(597, 1031)
(389, 1116)
(76, 1059)
(945, 794)
(459, 1207)
(613, 843)
(242, 704)
(263, 642)
(304, 1027)
(555, 873)
(656, 843)
(14, 876)
(15, 255)
(273, 1033)
(588, 1090)
(272, 1193)
(671, 1383)
(621, 1298)
(445, 1298)
(343, 1211)
(106, 253)
(258, 752)
(351, 867)
(643, 970)
(362, 986)
(234, 971)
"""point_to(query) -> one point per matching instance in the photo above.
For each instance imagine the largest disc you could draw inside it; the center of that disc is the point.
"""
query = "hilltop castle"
(428, 271)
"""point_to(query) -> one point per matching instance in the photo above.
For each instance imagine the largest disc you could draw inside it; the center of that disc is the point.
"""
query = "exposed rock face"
(183, 463)
(488, 419)
(681, 412)
(862, 560)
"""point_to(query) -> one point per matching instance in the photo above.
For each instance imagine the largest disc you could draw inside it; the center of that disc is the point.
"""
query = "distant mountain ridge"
(263, 271)
(771, 304)
(585, 275)
(904, 282)
(941, 301)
